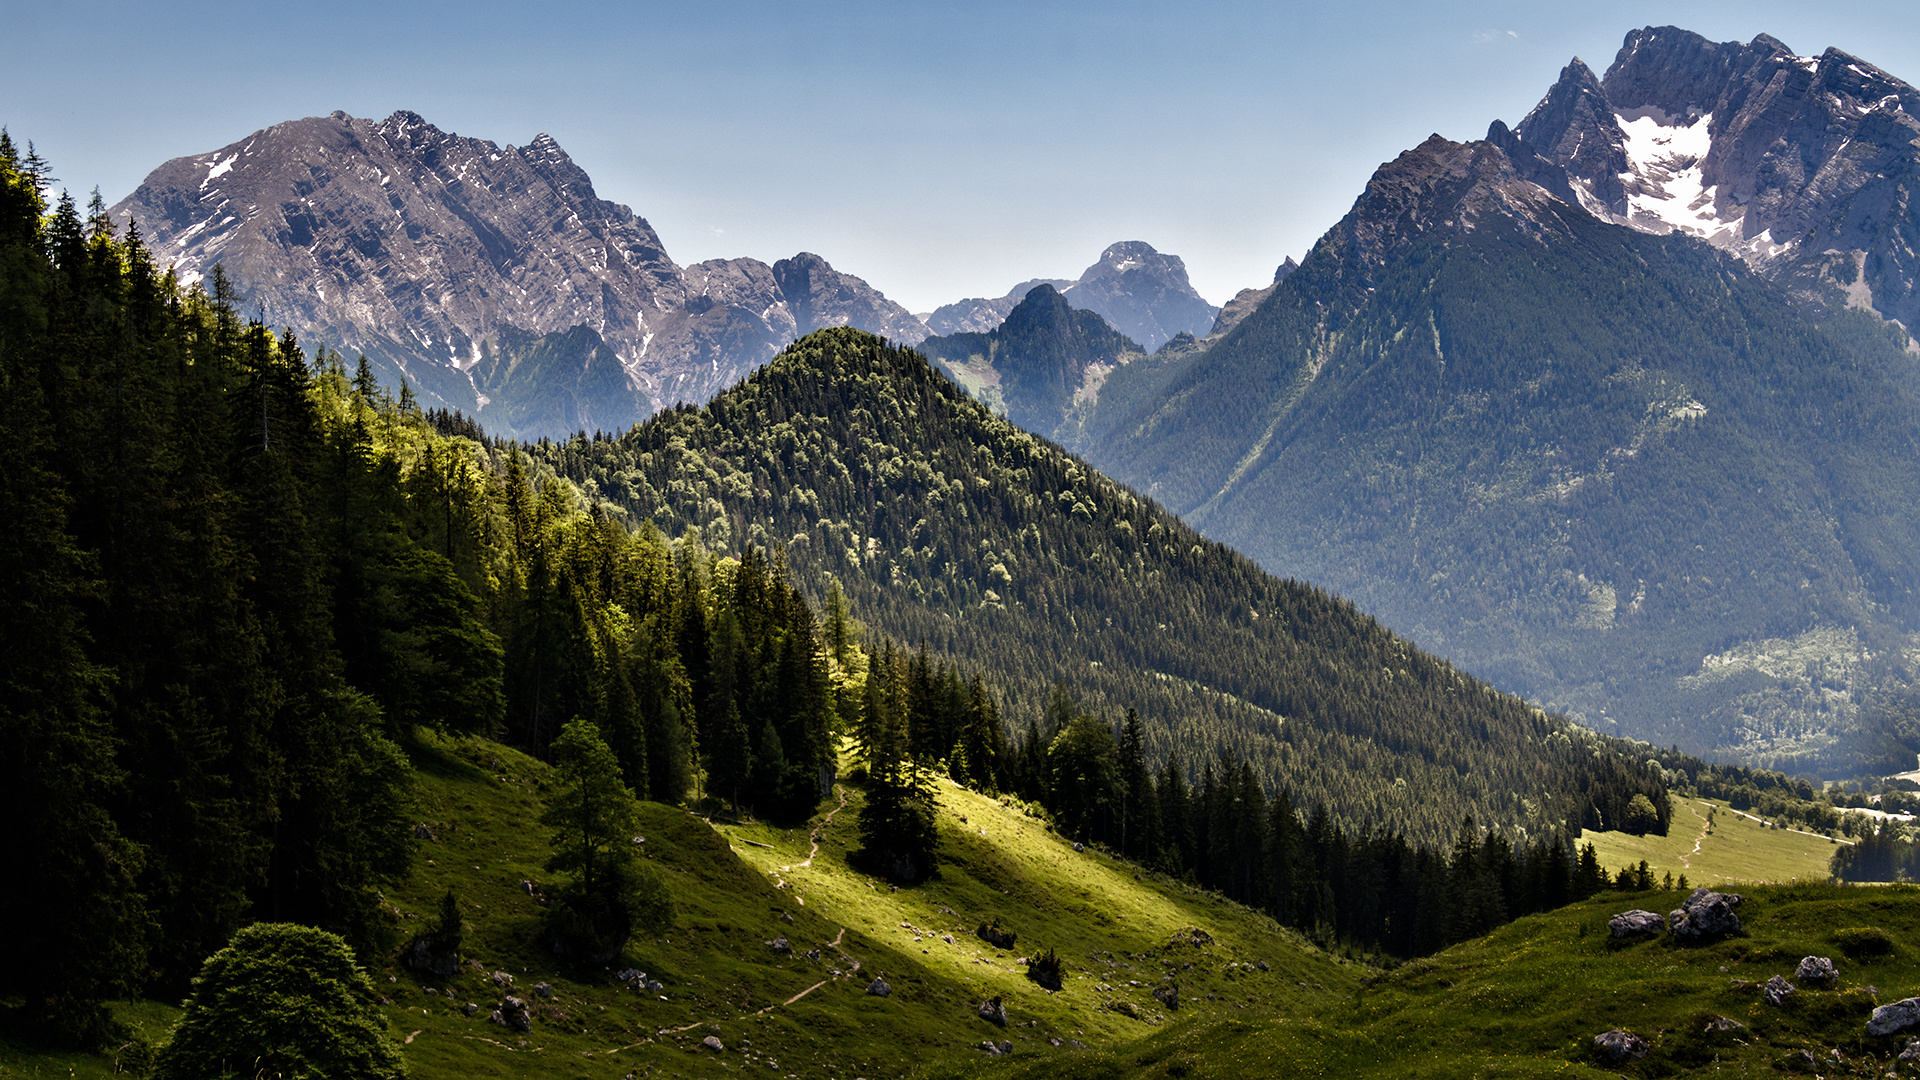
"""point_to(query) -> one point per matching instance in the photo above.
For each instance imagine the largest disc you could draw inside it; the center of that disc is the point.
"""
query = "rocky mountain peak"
(1143, 293)
(1798, 164)
(466, 267)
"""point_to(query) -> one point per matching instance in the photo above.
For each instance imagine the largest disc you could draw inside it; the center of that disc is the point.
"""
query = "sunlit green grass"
(1737, 850)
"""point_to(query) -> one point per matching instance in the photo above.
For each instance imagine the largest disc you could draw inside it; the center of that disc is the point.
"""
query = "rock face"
(485, 275)
(1801, 165)
(1898, 1016)
(1617, 1046)
(1816, 971)
(1634, 923)
(1140, 292)
(1705, 916)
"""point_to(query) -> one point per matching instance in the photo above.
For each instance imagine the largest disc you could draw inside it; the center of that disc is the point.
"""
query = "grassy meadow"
(1735, 849)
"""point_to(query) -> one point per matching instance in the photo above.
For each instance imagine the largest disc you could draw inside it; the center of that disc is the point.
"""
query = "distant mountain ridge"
(1140, 292)
(432, 252)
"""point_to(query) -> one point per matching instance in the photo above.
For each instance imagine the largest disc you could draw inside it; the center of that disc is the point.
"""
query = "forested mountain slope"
(1615, 472)
(948, 525)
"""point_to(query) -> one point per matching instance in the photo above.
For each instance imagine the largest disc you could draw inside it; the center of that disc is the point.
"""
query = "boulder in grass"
(1705, 916)
(1777, 991)
(1816, 971)
(993, 1012)
(1635, 923)
(1899, 1016)
(879, 988)
(712, 1042)
(1617, 1046)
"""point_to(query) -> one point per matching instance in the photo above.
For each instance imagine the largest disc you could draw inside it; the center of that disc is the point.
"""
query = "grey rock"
(1897, 1016)
(471, 1008)
(1719, 1025)
(993, 1011)
(1910, 1052)
(1705, 916)
(501, 979)
(1005, 1046)
(780, 945)
(1192, 935)
(1777, 991)
(1634, 923)
(543, 990)
(712, 1042)
(1143, 293)
(421, 832)
(1167, 994)
(1617, 1046)
(879, 988)
(513, 1013)
(1816, 971)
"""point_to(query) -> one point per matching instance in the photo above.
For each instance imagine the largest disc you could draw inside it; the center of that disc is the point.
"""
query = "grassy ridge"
(1527, 1000)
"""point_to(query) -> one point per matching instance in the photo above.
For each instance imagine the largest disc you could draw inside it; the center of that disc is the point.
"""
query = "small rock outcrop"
(1635, 923)
(513, 1013)
(1705, 916)
(1192, 935)
(1721, 1025)
(1777, 991)
(1168, 995)
(1898, 1016)
(1816, 971)
(780, 945)
(712, 1042)
(1616, 1046)
(1911, 1052)
(993, 1012)
(996, 935)
(879, 988)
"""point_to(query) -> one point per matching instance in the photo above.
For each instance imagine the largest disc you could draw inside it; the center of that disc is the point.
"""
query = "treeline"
(235, 583)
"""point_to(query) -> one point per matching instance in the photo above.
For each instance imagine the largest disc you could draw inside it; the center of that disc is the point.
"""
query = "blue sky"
(937, 150)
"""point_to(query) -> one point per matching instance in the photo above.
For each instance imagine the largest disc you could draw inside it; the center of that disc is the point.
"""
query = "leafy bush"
(283, 1001)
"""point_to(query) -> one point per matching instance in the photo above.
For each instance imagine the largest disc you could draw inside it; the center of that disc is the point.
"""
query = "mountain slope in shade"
(1610, 470)
(1804, 166)
(1045, 358)
(431, 252)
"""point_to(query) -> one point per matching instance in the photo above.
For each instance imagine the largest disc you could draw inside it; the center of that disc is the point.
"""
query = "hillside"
(947, 525)
(1615, 472)
(1528, 999)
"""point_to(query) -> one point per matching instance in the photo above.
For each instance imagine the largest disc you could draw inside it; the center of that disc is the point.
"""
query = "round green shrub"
(285, 1002)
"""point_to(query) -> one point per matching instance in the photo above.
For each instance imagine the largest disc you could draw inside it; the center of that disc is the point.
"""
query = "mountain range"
(491, 278)
(1140, 292)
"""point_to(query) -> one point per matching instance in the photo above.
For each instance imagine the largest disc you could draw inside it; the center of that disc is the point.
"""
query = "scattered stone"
(1192, 935)
(1617, 1046)
(1777, 991)
(1705, 916)
(1168, 995)
(948, 938)
(712, 1042)
(544, 990)
(1076, 1044)
(1911, 1052)
(1898, 1016)
(1054, 1041)
(633, 977)
(993, 1012)
(1005, 1046)
(1635, 923)
(1804, 1061)
(1262, 965)
(1816, 971)
(472, 1008)
(1720, 1025)
(879, 988)
(526, 886)
(513, 1013)
(786, 917)
(813, 954)
(502, 980)
(780, 945)
(1078, 846)
(421, 832)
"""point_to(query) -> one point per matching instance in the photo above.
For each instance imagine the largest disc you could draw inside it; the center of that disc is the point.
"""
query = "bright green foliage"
(284, 1001)
(594, 818)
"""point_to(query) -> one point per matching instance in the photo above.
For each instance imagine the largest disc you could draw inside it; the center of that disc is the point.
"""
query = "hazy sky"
(937, 150)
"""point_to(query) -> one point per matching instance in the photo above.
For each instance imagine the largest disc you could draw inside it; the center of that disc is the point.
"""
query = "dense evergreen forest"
(952, 528)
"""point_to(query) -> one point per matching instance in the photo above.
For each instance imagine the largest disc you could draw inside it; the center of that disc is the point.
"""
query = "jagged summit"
(444, 257)
(1141, 292)
(1801, 165)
